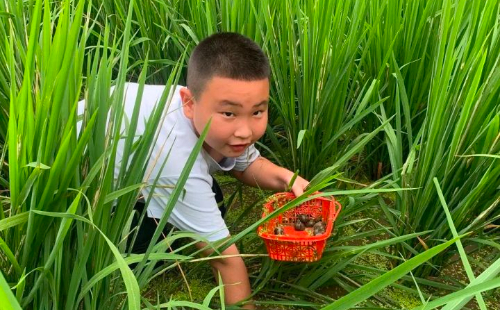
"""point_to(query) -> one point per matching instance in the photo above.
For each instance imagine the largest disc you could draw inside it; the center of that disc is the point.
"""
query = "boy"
(227, 81)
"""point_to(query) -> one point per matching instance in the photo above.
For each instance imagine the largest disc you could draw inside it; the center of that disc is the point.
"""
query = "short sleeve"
(248, 157)
(196, 209)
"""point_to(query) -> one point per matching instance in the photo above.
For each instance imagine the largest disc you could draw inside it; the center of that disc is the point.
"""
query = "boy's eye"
(258, 113)
(228, 114)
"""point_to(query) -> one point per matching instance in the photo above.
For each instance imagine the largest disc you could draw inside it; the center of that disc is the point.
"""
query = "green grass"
(461, 117)
(61, 188)
(410, 85)
(365, 267)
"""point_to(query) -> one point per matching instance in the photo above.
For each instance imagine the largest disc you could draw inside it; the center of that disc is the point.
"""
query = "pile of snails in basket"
(305, 222)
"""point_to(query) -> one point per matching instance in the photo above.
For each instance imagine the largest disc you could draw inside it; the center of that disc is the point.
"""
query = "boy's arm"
(264, 174)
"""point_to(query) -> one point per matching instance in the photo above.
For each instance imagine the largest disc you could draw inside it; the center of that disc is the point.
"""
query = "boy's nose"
(243, 131)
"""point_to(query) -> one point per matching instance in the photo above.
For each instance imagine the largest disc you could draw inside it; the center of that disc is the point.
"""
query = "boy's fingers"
(297, 191)
(299, 186)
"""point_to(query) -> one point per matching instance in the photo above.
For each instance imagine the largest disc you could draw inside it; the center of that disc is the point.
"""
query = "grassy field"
(389, 105)
(199, 279)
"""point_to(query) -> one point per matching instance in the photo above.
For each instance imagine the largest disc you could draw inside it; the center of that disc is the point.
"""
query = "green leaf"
(14, 220)
(127, 274)
(378, 284)
(461, 251)
(38, 165)
(481, 155)
(211, 294)
(114, 195)
(464, 294)
(345, 157)
(300, 137)
(7, 298)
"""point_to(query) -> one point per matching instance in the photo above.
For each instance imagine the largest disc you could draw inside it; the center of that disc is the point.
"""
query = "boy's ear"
(187, 102)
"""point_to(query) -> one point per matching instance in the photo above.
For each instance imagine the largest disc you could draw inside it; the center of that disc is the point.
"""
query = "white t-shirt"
(197, 210)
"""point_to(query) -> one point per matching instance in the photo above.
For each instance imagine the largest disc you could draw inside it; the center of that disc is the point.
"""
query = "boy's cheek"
(262, 128)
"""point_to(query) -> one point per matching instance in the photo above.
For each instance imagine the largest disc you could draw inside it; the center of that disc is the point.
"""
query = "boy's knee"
(232, 259)
(228, 263)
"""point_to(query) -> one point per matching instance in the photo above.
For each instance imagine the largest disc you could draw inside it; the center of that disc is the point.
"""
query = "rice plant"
(67, 219)
(461, 119)
(412, 85)
(398, 53)
(313, 47)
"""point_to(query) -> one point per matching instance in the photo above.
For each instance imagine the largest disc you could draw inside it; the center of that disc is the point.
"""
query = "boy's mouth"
(238, 147)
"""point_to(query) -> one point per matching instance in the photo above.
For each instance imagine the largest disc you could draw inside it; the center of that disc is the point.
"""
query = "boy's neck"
(214, 154)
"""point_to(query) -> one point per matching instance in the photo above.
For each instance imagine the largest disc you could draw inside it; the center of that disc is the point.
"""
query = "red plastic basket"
(293, 245)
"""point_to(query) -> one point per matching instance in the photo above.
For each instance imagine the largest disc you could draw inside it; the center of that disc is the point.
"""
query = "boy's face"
(238, 110)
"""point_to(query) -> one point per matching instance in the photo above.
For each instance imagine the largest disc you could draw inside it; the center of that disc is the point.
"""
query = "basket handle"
(337, 208)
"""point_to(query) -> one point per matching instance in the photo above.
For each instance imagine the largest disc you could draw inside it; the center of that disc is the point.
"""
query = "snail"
(278, 230)
(299, 225)
(319, 228)
(303, 218)
(310, 223)
(318, 219)
(320, 224)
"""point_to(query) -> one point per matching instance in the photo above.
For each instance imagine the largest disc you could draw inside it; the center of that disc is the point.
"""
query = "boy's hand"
(299, 185)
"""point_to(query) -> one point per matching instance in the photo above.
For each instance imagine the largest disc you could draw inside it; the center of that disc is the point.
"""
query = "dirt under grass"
(245, 210)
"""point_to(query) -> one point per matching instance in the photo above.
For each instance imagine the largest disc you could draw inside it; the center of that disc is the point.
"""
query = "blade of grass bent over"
(376, 285)
(461, 251)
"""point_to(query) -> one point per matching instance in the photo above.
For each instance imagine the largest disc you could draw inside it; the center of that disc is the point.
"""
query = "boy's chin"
(219, 154)
(226, 151)
(232, 152)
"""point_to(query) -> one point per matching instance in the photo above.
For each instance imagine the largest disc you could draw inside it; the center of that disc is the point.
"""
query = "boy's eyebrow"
(264, 102)
(237, 104)
(232, 103)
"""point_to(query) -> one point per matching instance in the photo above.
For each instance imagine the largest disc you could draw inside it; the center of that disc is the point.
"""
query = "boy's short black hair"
(229, 55)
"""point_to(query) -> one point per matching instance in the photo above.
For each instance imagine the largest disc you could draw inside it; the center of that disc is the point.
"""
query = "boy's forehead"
(231, 91)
